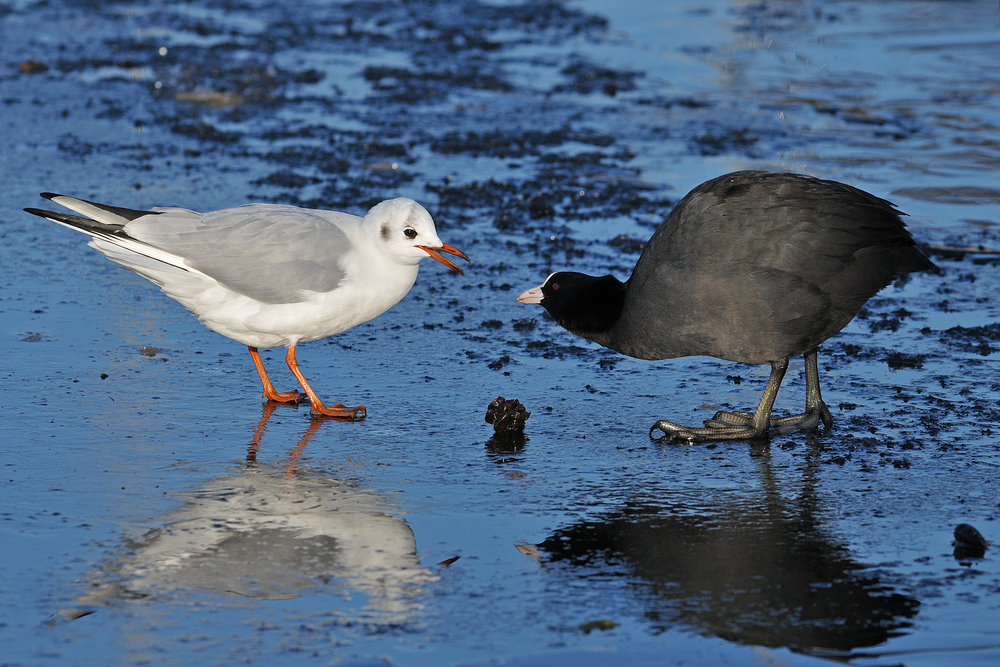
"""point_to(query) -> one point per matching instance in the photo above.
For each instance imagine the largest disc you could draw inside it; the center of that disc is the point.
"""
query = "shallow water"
(153, 511)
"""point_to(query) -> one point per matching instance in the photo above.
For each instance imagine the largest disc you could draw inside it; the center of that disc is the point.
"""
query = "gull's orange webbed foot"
(284, 396)
(340, 411)
(336, 411)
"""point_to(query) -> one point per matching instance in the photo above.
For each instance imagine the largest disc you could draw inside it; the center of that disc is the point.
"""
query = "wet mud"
(153, 510)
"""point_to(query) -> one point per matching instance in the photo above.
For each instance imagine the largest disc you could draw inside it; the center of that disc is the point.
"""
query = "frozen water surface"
(152, 510)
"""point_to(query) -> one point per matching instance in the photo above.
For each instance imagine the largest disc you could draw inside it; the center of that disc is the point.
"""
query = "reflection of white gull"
(275, 532)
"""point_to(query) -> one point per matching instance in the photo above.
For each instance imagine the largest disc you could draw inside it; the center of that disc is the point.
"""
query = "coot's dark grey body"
(753, 267)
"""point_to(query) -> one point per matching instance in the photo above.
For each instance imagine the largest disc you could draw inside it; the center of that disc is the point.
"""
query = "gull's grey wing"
(269, 252)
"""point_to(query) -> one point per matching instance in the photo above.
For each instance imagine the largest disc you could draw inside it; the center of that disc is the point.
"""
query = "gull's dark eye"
(410, 233)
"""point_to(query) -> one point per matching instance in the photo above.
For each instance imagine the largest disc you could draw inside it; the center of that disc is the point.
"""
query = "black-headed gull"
(270, 274)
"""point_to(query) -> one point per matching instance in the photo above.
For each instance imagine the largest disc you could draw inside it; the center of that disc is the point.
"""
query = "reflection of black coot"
(751, 267)
(744, 574)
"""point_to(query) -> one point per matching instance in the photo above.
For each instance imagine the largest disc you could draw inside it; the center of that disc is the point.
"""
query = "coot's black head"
(583, 304)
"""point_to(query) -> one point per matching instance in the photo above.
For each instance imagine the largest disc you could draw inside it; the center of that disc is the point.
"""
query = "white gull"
(269, 274)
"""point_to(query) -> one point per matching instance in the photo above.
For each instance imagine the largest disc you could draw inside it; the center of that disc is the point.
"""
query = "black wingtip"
(49, 195)
(85, 225)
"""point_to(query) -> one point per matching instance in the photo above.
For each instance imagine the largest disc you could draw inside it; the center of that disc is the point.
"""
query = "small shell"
(506, 415)
(967, 535)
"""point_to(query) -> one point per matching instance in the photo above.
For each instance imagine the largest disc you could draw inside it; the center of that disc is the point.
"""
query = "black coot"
(753, 267)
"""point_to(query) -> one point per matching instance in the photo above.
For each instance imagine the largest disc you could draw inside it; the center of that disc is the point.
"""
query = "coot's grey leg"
(816, 409)
(757, 426)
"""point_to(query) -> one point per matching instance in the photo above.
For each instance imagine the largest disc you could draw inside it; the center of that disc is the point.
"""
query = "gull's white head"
(405, 231)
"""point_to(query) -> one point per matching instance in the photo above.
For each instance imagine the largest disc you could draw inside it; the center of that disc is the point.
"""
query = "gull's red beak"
(435, 254)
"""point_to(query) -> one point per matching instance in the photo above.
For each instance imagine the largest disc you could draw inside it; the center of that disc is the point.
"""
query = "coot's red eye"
(555, 286)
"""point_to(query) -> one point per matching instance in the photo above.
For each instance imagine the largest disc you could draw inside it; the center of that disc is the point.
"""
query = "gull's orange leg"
(269, 392)
(339, 411)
